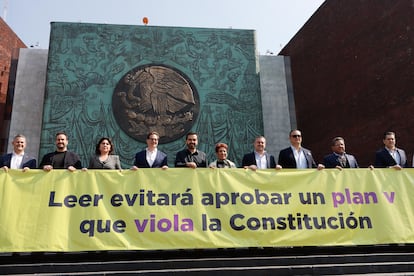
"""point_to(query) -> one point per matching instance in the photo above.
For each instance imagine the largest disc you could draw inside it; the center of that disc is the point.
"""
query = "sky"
(275, 21)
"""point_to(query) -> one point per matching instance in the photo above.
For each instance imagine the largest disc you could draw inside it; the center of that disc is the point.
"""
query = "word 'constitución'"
(239, 222)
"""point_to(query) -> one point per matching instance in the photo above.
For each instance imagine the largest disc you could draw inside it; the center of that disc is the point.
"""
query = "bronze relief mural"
(123, 81)
(155, 98)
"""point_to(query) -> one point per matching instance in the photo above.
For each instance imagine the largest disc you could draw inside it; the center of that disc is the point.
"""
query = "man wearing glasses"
(296, 156)
(151, 157)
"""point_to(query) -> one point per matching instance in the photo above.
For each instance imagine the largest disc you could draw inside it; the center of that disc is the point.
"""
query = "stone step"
(214, 262)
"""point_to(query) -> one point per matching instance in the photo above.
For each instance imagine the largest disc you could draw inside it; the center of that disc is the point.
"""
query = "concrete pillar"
(277, 102)
(27, 109)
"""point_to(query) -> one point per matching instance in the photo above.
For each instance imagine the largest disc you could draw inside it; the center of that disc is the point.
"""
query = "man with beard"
(191, 157)
(61, 158)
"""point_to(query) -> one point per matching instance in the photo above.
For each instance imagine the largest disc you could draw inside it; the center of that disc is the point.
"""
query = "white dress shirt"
(261, 161)
(300, 158)
(151, 155)
(16, 161)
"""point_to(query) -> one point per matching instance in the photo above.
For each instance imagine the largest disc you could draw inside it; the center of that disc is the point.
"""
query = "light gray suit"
(112, 163)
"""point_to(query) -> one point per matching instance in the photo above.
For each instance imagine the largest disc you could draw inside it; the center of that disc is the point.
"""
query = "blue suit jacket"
(287, 159)
(250, 159)
(27, 161)
(331, 161)
(384, 159)
(141, 160)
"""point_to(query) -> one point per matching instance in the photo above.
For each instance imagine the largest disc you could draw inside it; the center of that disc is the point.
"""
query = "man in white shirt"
(259, 158)
(390, 156)
(151, 157)
(18, 159)
(296, 156)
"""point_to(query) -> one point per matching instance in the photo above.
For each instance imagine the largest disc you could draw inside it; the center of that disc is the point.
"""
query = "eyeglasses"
(296, 135)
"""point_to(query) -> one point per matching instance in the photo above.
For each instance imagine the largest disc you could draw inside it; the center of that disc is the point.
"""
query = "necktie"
(342, 161)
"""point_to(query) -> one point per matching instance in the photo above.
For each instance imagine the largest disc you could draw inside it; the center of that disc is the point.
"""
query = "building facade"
(9, 45)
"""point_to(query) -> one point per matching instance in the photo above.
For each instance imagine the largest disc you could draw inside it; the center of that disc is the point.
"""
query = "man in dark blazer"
(61, 158)
(259, 158)
(18, 159)
(339, 158)
(297, 156)
(151, 157)
(390, 156)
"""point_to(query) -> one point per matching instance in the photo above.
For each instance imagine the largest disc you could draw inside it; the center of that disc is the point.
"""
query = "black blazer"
(384, 159)
(27, 161)
(287, 159)
(331, 161)
(141, 160)
(250, 159)
(71, 159)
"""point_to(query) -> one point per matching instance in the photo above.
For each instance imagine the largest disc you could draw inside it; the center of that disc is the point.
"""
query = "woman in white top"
(222, 161)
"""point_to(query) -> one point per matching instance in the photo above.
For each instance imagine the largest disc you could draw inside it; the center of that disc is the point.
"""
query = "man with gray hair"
(18, 159)
(259, 158)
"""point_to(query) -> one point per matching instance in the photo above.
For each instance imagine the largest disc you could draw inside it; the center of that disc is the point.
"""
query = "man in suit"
(339, 158)
(259, 158)
(18, 159)
(191, 157)
(390, 156)
(151, 157)
(61, 158)
(297, 156)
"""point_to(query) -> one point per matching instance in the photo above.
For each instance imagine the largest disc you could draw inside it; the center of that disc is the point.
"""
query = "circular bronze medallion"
(155, 98)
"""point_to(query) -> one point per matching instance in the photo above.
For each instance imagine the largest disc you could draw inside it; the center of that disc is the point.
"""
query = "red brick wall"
(353, 76)
(8, 42)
